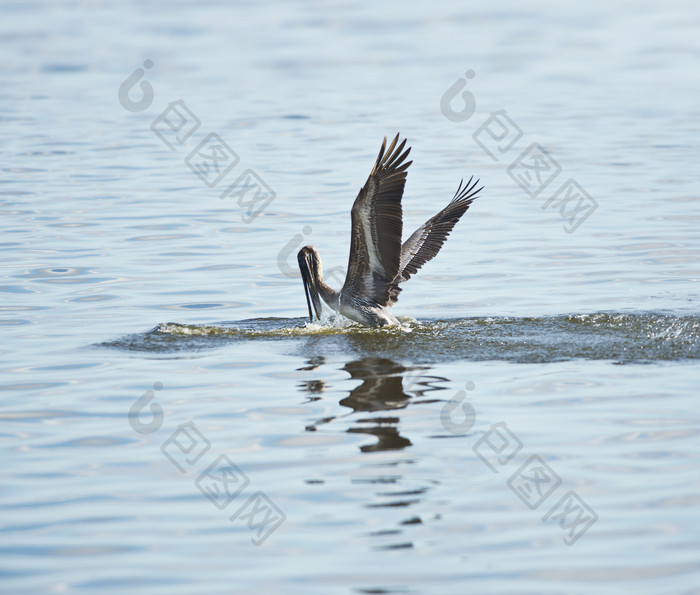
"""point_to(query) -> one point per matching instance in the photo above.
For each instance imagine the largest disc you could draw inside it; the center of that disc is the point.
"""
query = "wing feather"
(427, 240)
(377, 225)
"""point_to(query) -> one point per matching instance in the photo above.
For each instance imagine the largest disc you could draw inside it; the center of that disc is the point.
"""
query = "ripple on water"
(63, 276)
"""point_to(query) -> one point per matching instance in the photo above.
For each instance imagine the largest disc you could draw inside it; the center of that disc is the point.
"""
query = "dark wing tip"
(469, 192)
(381, 153)
(391, 158)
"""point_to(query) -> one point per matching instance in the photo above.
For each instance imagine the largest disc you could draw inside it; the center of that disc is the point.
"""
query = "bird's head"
(310, 267)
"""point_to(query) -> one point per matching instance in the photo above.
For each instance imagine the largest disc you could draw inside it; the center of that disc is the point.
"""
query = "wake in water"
(623, 338)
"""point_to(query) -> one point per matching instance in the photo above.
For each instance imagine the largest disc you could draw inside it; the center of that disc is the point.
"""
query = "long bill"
(309, 276)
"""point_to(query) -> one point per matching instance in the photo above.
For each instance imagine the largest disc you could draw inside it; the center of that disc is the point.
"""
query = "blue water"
(171, 424)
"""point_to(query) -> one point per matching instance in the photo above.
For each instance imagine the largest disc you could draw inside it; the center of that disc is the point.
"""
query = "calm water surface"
(171, 423)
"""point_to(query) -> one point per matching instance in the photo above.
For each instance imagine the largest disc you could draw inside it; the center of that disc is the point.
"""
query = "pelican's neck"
(327, 293)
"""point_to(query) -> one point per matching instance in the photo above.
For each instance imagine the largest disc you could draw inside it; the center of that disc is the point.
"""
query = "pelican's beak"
(309, 275)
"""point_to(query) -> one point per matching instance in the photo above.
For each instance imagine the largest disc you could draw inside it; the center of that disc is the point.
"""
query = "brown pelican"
(379, 263)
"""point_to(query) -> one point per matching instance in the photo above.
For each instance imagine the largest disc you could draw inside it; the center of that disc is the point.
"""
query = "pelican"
(378, 262)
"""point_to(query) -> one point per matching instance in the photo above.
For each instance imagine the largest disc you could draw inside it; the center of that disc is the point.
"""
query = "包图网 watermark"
(333, 276)
(533, 482)
(534, 170)
(468, 412)
(221, 481)
(212, 160)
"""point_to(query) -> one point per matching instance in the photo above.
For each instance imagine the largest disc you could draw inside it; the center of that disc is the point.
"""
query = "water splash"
(619, 337)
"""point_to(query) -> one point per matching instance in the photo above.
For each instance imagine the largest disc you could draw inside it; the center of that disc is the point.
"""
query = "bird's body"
(378, 261)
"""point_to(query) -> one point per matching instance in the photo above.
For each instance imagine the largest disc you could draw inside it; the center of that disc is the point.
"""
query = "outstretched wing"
(427, 240)
(375, 245)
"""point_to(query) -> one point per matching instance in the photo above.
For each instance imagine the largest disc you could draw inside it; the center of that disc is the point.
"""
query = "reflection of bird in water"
(382, 385)
(388, 437)
(313, 363)
(382, 389)
(379, 263)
